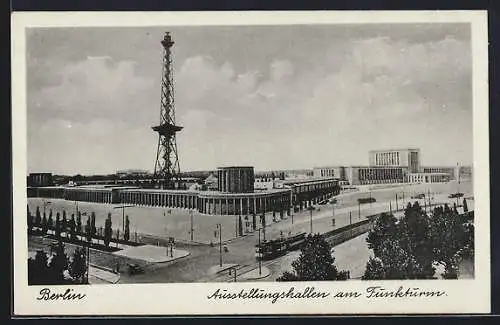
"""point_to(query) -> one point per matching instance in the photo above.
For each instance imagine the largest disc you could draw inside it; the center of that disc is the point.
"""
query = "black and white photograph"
(251, 154)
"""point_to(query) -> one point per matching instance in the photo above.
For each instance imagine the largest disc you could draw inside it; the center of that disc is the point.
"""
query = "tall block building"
(394, 166)
(408, 157)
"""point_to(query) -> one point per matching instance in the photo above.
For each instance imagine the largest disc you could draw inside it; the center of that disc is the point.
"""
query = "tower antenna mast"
(167, 170)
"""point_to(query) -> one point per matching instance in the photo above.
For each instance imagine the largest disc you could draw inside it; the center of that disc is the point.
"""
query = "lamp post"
(311, 217)
(123, 214)
(260, 255)
(429, 200)
(192, 229)
(219, 227)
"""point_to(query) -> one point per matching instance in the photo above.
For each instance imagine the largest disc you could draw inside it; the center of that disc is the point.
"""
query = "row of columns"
(89, 196)
(245, 205)
(381, 175)
(170, 200)
(223, 205)
(307, 195)
(54, 193)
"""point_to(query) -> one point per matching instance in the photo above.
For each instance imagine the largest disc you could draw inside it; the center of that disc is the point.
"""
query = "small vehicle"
(135, 269)
(419, 196)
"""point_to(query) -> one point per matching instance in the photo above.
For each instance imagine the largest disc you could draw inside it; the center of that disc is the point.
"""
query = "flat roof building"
(394, 166)
(407, 157)
(235, 179)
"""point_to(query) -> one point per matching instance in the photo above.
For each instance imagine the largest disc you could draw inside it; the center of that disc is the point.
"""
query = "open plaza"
(151, 226)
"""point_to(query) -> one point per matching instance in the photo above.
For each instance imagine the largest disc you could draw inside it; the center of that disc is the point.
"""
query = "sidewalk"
(255, 274)
(152, 254)
(104, 275)
(218, 269)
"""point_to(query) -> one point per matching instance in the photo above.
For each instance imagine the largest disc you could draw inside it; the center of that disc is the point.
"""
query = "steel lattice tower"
(167, 170)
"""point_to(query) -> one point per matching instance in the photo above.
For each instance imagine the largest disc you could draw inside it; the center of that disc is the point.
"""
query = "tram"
(273, 248)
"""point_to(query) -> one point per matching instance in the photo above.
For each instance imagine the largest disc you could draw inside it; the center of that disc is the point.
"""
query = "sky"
(273, 97)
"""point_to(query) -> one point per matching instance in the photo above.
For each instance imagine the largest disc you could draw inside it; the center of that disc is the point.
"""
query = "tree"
(44, 224)
(38, 218)
(30, 220)
(78, 265)
(88, 230)
(59, 263)
(64, 223)
(448, 235)
(384, 227)
(397, 259)
(107, 230)
(92, 224)
(415, 239)
(79, 223)
(315, 262)
(374, 270)
(58, 225)
(240, 227)
(466, 209)
(38, 272)
(403, 249)
(254, 221)
(72, 227)
(126, 235)
(50, 222)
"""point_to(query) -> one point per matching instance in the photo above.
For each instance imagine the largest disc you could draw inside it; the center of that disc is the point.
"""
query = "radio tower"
(167, 170)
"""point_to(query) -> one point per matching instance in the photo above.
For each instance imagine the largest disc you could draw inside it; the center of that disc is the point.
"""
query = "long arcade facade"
(297, 194)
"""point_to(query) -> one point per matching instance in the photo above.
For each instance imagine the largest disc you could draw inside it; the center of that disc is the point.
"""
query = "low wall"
(338, 236)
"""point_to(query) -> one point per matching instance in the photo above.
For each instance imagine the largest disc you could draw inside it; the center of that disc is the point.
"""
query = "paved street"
(351, 255)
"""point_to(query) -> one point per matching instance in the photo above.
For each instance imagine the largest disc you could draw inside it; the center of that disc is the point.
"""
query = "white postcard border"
(462, 296)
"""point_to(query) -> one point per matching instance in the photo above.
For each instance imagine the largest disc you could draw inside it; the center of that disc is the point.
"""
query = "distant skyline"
(274, 97)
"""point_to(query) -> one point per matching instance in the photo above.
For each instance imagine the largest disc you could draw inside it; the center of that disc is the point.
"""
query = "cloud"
(97, 87)
(371, 92)
(385, 93)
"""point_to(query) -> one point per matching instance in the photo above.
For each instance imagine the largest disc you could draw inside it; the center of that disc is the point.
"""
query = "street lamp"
(123, 214)
(191, 231)
(260, 255)
(311, 208)
(219, 227)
